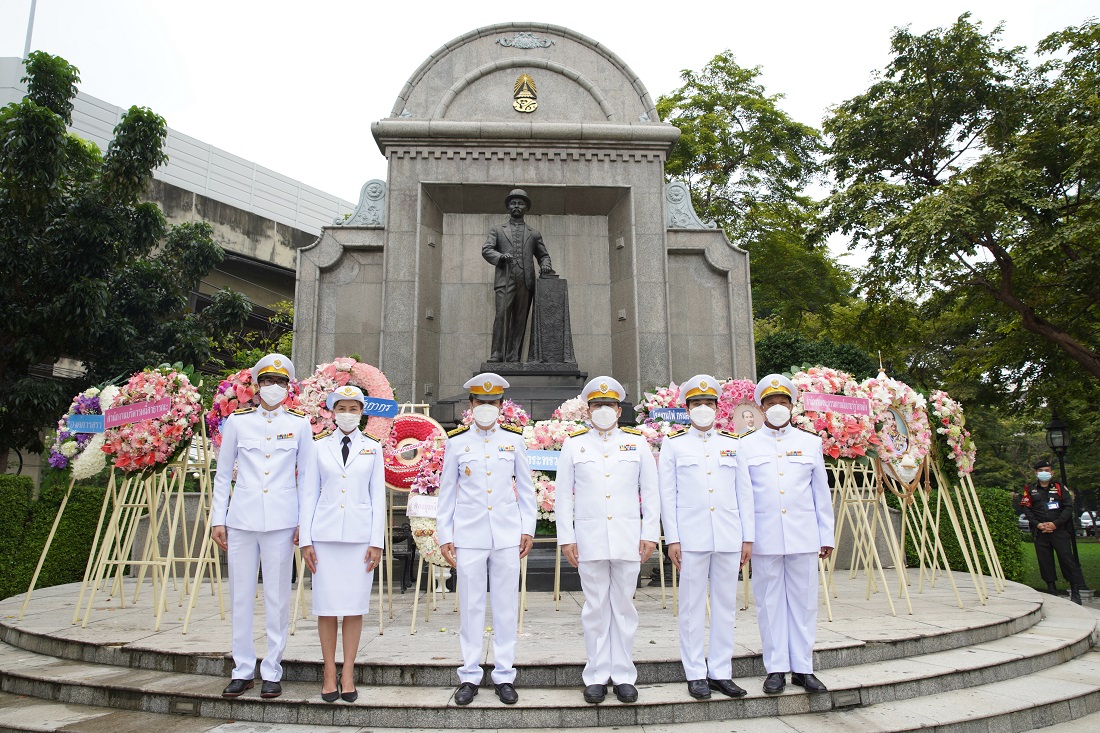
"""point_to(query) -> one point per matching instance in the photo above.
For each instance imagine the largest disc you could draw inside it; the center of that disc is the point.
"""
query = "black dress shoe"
(465, 693)
(726, 687)
(775, 682)
(1075, 594)
(332, 696)
(236, 688)
(269, 690)
(626, 693)
(808, 681)
(507, 693)
(594, 694)
(699, 689)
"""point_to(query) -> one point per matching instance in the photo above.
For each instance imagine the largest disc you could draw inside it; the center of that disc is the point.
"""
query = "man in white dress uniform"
(707, 514)
(484, 522)
(257, 527)
(608, 521)
(794, 527)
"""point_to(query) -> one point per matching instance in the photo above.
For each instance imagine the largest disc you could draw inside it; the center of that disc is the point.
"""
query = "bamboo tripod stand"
(974, 528)
(860, 508)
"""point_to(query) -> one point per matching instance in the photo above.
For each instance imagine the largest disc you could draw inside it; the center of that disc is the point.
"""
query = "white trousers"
(247, 552)
(785, 588)
(696, 568)
(610, 620)
(503, 574)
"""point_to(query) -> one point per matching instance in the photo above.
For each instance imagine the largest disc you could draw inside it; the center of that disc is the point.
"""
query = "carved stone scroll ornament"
(526, 40)
(681, 213)
(371, 211)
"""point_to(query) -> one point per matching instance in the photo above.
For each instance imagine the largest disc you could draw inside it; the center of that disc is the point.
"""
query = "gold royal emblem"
(603, 386)
(775, 382)
(525, 98)
(347, 390)
(488, 386)
(703, 384)
(278, 362)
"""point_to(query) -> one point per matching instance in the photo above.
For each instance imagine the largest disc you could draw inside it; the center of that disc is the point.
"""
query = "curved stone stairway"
(1029, 666)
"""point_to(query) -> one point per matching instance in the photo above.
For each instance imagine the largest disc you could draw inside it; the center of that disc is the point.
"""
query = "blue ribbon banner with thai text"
(85, 424)
(670, 414)
(543, 460)
(378, 407)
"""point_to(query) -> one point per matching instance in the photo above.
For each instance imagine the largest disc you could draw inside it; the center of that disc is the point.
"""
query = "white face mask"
(604, 418)
(273, 394)
(702, 416)
(347, 421)
(486, 415)
(778, 415)
(1045, 475)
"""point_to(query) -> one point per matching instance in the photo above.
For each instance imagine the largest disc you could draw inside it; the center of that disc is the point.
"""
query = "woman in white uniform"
(342, 525)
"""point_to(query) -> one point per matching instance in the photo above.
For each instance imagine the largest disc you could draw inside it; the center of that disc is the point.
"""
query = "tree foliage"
(87, 270)
(747, 165)
(972, 178)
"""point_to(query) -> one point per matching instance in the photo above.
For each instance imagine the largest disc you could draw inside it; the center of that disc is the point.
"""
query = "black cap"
(1042, 463)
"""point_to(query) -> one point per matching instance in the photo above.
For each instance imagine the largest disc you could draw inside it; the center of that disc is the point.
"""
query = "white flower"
(91, 392)
(107, 397)
(92, 460)
(68, 448)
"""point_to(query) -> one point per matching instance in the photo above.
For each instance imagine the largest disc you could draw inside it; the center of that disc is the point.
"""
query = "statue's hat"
(518, 193)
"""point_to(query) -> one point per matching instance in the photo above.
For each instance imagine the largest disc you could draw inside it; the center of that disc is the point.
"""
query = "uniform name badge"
(1053, 504)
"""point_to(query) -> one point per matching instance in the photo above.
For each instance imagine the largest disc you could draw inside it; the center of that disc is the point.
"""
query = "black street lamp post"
(1058, 440)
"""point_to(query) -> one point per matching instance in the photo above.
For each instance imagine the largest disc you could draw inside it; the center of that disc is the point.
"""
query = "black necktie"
(345, 450)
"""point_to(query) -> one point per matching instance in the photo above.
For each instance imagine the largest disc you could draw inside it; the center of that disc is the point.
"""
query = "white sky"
(295, 85)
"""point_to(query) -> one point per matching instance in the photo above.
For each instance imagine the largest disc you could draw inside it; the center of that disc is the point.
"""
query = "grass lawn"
(1088, 549)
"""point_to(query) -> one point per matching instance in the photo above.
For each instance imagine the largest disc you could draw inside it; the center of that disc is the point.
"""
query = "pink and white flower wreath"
(154, 442)
(237, 391)
(328, 378)
(734, 392)
(951, 423)
(842, 436)
(887, 393)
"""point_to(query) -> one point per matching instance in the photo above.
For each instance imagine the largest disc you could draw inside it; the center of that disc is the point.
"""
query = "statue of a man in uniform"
(511, 248)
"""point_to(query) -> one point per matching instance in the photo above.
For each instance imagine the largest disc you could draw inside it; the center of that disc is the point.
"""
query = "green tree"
(88, 271)
(786, 351)
(972, 178)
(747, 165)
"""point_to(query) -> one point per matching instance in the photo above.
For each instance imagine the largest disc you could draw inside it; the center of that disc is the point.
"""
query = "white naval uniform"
(707, 507)
(794, 520)
(607, 503)
(484, 515)
(268, 447)
(343, 514)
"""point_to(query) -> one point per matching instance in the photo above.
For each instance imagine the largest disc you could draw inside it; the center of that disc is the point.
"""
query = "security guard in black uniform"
(1048, 507)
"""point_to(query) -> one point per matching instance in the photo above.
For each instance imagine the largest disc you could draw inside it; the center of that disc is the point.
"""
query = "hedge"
(997, 507)
(26, 525)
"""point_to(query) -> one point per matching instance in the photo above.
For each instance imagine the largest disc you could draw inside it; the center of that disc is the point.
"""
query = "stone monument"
(655, 293)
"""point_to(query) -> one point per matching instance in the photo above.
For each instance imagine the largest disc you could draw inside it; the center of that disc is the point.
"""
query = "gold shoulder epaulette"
(632, 431)
(460, 429)
(742, 435)
(728, 433)
(512, 429)
(245, 410)
(579, 431)
(296, 411)
(678, 433)
(373, 437)
(807, 430)
(322, 434)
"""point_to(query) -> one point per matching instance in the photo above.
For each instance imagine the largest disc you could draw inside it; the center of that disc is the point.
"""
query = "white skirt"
(341, 585)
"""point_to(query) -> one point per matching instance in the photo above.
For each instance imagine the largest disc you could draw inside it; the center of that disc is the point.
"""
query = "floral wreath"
(952, 425)
(427, 541)
(888, 394)
(82, 451)
(842, 436)
(237, 391)
(545, 497)
(328, 378)
(154, 442)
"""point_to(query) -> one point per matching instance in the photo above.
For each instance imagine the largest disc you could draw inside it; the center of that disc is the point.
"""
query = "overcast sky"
(294, 86)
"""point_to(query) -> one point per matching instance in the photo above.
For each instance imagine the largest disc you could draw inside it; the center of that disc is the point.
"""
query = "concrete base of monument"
(1022, 660)
(539, 402)
(538, 374)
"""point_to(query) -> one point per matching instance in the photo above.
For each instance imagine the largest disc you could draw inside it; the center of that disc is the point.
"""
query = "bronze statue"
(511, 247)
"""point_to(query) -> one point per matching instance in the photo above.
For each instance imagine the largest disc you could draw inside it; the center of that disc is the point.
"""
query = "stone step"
(1065, 632)
(1062, 699)
(883, 639)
